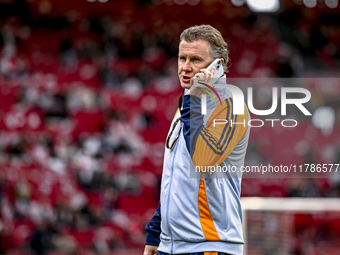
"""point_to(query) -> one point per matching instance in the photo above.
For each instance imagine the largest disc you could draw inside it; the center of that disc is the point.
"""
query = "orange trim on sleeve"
(207, 222)
(211, 253)
(215, 143)
(175, 114)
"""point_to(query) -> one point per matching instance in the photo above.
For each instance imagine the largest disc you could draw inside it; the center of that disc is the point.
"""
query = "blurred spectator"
(41, 239)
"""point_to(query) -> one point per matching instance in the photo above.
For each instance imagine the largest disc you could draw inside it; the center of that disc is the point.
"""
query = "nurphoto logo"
(239, 109)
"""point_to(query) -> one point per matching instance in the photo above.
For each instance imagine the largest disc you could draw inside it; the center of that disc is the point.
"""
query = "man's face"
(192, 57)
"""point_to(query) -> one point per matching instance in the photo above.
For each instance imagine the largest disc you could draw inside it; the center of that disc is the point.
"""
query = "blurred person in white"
(200, 212)
(11, 65)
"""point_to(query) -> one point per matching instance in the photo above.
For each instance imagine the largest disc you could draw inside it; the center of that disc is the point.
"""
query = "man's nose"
(187, 66)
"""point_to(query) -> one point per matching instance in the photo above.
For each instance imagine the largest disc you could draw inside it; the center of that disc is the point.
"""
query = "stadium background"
(87, 92)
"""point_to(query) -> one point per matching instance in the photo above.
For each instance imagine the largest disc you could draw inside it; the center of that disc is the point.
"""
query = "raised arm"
(212, 144)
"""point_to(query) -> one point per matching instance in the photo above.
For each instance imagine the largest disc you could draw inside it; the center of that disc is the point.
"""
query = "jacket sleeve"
(153, 229)
(212, 144)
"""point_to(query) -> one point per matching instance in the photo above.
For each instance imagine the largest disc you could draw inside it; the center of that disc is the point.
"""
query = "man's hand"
(197, 87)
(150, 250)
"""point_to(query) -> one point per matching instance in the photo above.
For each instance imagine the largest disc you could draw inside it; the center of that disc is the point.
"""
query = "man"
(200, 210)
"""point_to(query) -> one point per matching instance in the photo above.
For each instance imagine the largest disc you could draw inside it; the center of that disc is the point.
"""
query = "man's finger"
(209, 74)
(205, 71)
(213, 71)
(150, 250)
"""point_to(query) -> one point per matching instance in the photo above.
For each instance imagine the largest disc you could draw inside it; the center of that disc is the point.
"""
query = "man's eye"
(182, 58)
(196, 60)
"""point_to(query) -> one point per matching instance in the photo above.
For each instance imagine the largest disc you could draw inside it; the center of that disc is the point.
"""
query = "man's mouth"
(186, 79)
